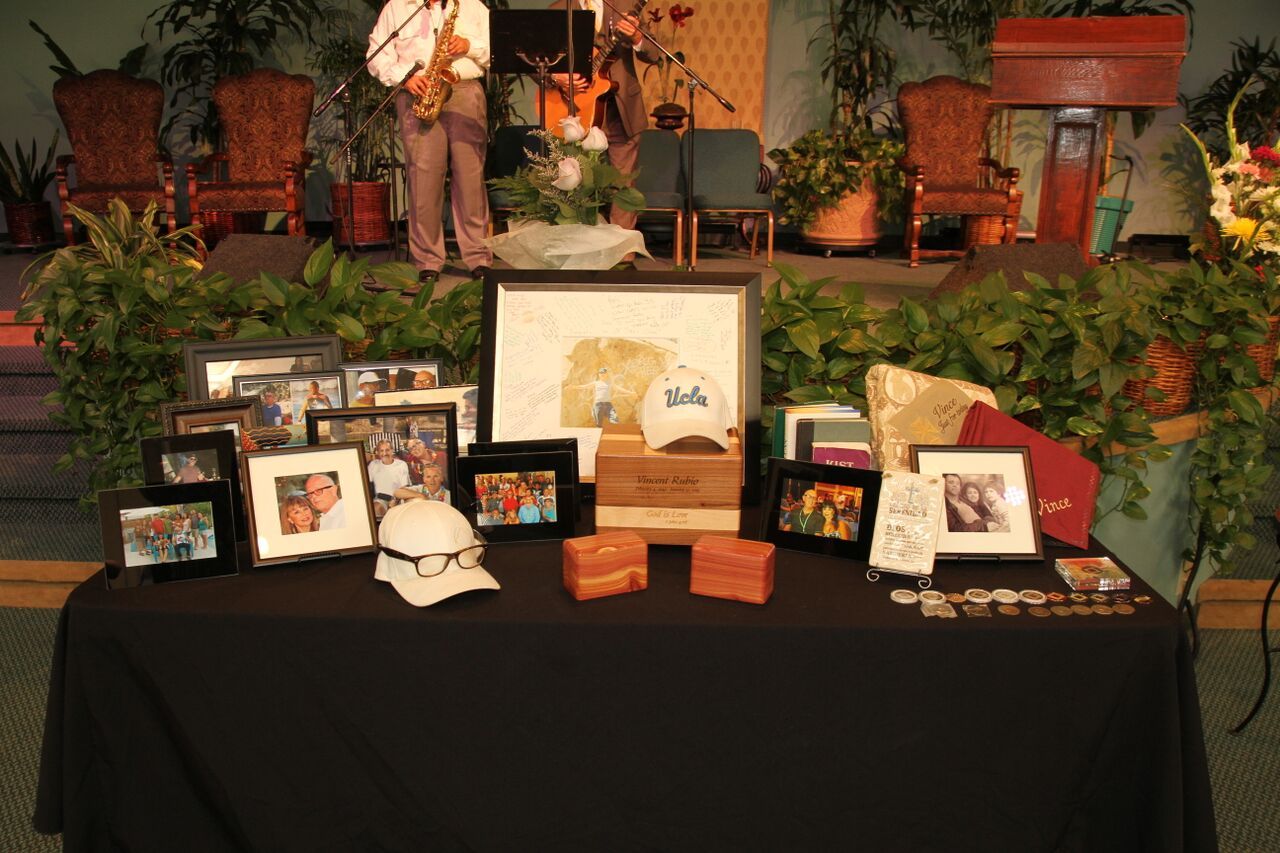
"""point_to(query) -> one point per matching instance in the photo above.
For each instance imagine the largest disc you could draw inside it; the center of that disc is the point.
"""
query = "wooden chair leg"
(68, 227)
(768, 256)
(693, 239)
(679, 238)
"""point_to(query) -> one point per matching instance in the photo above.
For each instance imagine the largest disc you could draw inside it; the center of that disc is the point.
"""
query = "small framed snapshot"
(287, 398)
(534, 445)
(230, 414)
(362, 381)
(157, 534)
(308, 502)
(989, 499)
(212, 365)
(411, 449)
(196, 458)
(822, 509)
(465, 397)
(514, 497)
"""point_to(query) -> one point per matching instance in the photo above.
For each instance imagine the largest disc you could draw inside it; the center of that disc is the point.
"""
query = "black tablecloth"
(309, 708)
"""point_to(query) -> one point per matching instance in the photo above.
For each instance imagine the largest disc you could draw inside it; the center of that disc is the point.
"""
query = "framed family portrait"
(197, 458)
(412, 450)
(989, 501)
(212, 365)
(288, 398)
(465, 397)
(229, 414)
(515, 497)
(363, 381)
(822, 509)
(535, 445)
(564, 354)
(308, 502)
(157, 534)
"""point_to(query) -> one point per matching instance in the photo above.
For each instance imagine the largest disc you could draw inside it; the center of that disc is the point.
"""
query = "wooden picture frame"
(165, 461)
(1011, 518)
(545, 336)
(549, 484)
(211, 365)
(232, 414)
(853, 495)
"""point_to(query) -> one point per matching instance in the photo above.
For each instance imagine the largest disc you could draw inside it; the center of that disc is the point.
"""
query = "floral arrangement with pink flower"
(572, 182)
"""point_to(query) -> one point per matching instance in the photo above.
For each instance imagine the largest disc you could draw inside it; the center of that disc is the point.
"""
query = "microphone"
(417, 66)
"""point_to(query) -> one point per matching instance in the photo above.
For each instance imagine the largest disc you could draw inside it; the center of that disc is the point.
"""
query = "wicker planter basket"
(1264, 355)
(30, 223)
(983, 230)
(371, 213)
(219, 223)
(1175, 375)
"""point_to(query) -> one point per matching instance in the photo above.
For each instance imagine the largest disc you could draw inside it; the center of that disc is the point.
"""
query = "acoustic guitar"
(599, 85)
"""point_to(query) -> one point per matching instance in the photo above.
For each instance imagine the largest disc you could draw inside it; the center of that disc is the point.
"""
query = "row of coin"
(975, 602)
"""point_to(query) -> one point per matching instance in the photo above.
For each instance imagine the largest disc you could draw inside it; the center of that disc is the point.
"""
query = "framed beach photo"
(411, 449)
(212, 365)
(308, 502)
(157, 534)
(197, 458)
(230, 414)
(364, 380)
(465, 397)
(288, 398)
(564, 353)
(822, 509)
(989, 501)
(515, 497)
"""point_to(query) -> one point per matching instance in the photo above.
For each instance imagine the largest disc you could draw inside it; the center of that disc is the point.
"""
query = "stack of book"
(828, 433)
(1098, 573)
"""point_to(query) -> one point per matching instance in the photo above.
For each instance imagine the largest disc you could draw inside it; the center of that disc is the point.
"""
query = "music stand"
(532, 41)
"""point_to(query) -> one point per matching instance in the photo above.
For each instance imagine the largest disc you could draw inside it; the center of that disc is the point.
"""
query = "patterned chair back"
(113, 125)
(945, 120)
(265, 116)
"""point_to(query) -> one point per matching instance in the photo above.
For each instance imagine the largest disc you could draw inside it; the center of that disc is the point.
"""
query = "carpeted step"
(31, 476)
(49, 443)
(23, 372)
(48, 530)
(25, 413)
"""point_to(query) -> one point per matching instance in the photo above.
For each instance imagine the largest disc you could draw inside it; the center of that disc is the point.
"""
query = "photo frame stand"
(922, 581)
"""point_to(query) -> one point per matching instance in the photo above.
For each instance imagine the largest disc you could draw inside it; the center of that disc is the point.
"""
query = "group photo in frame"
(197, 458)
(309, 501)
(989, 501)
(565, 354)
(536, 445)
(465, 397)
(821, 509)
(212, 365)
(513, 497)
(411, 450)
(236, 415)
(288, 398)
(362, 381)
(158, 534)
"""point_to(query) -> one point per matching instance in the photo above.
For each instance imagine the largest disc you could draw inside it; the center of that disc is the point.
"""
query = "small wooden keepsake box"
(736, 569)
(670, 496)
(605, 564)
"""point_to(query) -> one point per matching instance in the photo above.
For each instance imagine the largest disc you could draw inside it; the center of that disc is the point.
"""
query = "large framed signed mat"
(564, 353)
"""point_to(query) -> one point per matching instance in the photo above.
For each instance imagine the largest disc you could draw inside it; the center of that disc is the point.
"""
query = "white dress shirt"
(417, 43)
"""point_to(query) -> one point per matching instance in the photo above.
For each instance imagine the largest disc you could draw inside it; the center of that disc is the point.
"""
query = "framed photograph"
(533, 445)
(230, 414)
(211, 365)
(822, 509)
(197, 458)
(989, 498)
(514, 497)
(465, 397)
(288, 398)
(157, 534)
(362, 381)
(412, 450)
(308, 502)
(565, 353)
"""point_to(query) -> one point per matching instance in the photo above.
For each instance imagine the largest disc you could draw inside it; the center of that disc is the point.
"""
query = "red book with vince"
(1066, 483)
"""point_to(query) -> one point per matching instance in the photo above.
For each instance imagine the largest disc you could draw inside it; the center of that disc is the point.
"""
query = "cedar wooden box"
(605, 564)
(670, 496)
(736, 569)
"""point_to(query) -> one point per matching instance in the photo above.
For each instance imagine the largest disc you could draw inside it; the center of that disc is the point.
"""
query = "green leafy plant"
(820, 168)
(25, 177)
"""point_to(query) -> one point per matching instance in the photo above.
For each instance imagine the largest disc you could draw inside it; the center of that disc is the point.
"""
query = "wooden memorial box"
(736, 569)
(605, 564)
(670, 496)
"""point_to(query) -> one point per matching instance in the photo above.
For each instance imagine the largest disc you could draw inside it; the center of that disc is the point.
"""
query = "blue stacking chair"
(661, 179)
(727, 169)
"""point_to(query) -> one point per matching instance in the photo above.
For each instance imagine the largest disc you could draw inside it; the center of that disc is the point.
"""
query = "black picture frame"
(507, 294)
(197, 416)
(269, 479)
(534, 445)
(399, 425)
(134, 557)
(351, 371)
(559, 463)
(1018, 537)
(789, 475)
(224, 444)
(198, 356)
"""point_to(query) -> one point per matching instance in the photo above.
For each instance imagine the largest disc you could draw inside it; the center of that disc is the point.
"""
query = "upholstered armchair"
(945, 120)
(265, 115)
(113, 125)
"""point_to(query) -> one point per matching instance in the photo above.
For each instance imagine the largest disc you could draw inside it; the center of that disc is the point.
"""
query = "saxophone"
(427, 107)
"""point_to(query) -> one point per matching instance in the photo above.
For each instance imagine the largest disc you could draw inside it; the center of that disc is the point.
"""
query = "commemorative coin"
(904, 596)
(1009, 610)
(1124, 609)
(1060, 610)
(1037, 610)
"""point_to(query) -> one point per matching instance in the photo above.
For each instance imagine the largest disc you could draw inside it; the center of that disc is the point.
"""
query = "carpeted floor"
(26, 648)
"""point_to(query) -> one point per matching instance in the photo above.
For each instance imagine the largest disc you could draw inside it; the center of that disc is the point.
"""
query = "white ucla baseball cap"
(683, 403)
(410, 532)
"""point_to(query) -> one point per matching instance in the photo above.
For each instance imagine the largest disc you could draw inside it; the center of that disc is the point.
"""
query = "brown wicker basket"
(371, 203)
(1264, 355)
(30, 223)
(219, 223)
(983, 230)
(1175, 375)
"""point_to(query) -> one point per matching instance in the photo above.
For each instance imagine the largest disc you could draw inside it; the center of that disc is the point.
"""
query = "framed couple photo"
(821, 509)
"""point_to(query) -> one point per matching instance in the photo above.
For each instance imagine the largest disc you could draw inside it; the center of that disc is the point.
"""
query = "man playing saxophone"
(457, 140)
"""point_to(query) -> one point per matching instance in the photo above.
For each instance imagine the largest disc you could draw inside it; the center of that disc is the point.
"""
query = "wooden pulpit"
(1077, 69)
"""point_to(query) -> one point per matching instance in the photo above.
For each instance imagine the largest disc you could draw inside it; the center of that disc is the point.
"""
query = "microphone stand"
(343, 91)
(694, 82)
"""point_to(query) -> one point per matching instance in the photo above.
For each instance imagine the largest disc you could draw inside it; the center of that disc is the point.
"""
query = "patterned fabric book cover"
(907, 408)
(1066, 483)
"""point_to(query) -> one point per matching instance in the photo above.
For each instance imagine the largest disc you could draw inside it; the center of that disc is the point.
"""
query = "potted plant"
(833, 182)
(22, 190)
